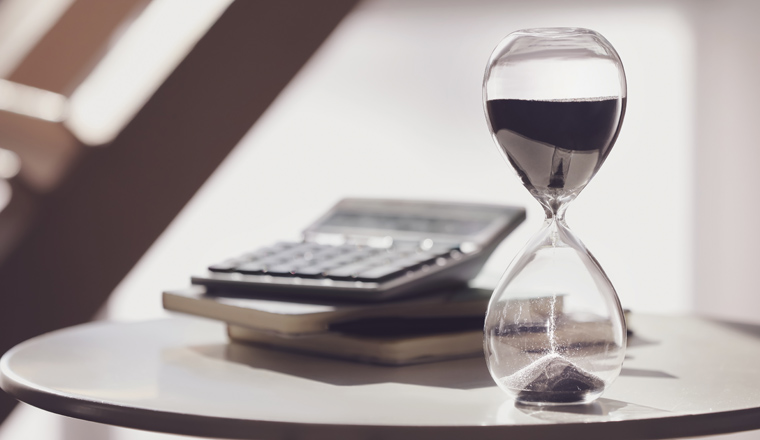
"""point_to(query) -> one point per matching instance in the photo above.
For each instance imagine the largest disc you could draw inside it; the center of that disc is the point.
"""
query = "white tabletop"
(682, 377)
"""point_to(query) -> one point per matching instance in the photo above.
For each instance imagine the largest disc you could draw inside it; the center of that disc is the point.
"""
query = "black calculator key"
(310, 271)
(381, 273)
(299, 262)
(362, 253)
(347, 272)
(405, 248)
(345, 248)
(224, 266)
(307, 256)
(284, 245)
(342, 259)
(325, 250)
(281, 270)
(293, 252)
(339, 260)
(383, 258)
(255, 267)
(440, 248)
(321, 257)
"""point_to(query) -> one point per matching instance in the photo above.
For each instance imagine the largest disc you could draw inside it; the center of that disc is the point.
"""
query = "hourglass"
(554, 330)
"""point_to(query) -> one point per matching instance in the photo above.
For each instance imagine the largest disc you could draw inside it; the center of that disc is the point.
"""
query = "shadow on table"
(469, 373)
(635, 340)
(747, 329)
(599, 408)
(643, 372)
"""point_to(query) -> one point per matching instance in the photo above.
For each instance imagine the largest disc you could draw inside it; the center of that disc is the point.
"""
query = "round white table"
(682, 377)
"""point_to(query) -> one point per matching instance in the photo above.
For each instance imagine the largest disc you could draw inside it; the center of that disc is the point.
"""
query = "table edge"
(687, 425)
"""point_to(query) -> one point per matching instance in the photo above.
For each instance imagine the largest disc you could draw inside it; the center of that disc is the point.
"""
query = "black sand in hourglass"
(554, 379)
(556, 145)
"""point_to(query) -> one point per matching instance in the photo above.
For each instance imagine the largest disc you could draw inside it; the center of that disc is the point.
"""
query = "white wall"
(728, 160)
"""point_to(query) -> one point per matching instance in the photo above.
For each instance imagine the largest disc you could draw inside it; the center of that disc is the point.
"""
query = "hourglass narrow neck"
(555, 209)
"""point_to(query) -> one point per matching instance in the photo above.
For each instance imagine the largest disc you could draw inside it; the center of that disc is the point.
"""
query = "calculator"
(371, 250)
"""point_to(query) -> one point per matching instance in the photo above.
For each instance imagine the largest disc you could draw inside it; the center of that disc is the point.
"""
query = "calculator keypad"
(344, 262)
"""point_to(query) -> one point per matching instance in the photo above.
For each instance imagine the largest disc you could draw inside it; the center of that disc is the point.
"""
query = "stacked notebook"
(438, 326)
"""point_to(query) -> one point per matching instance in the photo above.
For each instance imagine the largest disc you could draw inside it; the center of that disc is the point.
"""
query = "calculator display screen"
(407, 223)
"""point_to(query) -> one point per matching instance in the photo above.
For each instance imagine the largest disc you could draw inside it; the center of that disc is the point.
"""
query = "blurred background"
(142, 140)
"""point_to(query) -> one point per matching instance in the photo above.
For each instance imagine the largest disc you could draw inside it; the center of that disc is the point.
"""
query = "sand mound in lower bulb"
(553, 380)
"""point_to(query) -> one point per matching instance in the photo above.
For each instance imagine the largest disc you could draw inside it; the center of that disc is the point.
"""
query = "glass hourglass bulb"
(554, 331)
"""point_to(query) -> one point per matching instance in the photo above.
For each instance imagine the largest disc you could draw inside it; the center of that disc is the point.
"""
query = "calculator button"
(281, 270)
(381, 273)
(298, 262)
(376, 260)
(415, 259)
(225, 266)
(273, 260)
(442, 248)
(339, 260)
(310, 271)
(252, 268)
(347, 272)
(405, 248)
(293, 252)
(358, 254)
(286, 244)
(346, 248)
(323, 254)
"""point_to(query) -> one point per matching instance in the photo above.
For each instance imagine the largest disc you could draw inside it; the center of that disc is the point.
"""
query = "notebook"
(301, 317)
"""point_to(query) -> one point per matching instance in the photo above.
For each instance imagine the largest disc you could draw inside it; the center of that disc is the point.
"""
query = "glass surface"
(555, 100)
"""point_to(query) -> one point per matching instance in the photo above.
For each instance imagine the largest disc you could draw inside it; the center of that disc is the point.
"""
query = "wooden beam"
(89, 232)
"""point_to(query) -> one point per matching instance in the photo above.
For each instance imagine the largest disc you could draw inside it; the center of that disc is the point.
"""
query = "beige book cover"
(298, 317)
(383, 350)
